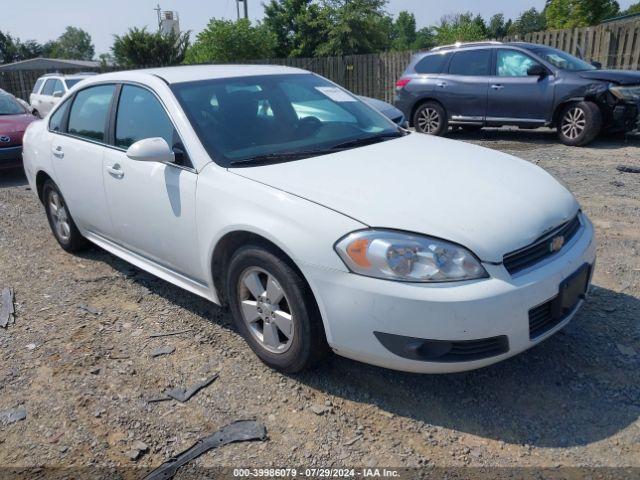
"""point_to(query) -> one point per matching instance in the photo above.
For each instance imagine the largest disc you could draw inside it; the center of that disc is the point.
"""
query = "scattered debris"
(7, 310)
(12, 416)
(183, 395)
(168, 334)
(31, 346)
(138, 449)
(348, 443)
(89, 309)
(164, 350)
(240, 431)
(628, 169)
(320, 409)
(94, 371)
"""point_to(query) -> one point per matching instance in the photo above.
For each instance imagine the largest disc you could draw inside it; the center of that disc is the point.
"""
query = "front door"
(514, 95)
(152, 204)
(77, 153)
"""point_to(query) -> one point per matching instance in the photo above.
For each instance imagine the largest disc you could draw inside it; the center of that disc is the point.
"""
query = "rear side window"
(71, 82)
(49, 86)
(88, 117)
(140, 116)
(432, 63)
(55, 123)
(36, 87)
(471, 63)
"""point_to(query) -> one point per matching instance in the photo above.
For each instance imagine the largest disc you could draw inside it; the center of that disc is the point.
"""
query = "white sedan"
(335, 230)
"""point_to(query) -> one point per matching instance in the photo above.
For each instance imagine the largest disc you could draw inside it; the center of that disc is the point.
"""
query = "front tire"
(62, 225)
(579, 124)
(274, 310)
(431, 118)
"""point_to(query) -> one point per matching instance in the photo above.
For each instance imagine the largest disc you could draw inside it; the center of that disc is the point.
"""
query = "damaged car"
(494, 84)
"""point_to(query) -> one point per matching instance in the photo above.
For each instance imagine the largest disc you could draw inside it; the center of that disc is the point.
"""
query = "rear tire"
(274, 310)
(62, 225)
(431, 118)
(579, 123)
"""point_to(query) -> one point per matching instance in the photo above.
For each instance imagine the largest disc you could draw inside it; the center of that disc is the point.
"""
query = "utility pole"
(245, 4)
(159, 11)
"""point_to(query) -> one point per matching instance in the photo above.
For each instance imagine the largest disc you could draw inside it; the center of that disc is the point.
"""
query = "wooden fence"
(615, 44)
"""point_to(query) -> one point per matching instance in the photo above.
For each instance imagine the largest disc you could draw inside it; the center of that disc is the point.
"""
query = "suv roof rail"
(81, 73)
(466, 44)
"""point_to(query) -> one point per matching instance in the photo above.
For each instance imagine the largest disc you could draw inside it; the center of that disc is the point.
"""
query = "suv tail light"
(403, 82)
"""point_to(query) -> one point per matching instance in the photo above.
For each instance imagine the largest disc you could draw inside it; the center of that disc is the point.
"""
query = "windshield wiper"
(360, 142)
(271, 158)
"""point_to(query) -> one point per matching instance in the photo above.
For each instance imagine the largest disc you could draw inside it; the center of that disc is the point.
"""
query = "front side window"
(88, 116)
(432, 63)
(511, 63)
(58, 87)
(471, 63)
(140, 115)
(49, 87)
(244, 118)
(36, 87)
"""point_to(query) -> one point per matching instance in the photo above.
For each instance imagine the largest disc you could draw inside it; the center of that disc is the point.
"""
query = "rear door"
(514, 95)
(77, 154)
(464, 88)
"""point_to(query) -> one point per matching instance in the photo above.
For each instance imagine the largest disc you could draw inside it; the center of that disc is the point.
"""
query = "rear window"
(471, 63)
(432, 63)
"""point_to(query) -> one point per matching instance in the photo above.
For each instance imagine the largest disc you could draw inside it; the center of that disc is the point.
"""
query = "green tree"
(404, 34)
(228, 41)
(497, 27)
(139, 48)
(461, 27)
(425, 38)
(579, 13)
(14, 50)
(300, 26)
(632, 10)
(356, 27)
(529, 21)
(74, 44)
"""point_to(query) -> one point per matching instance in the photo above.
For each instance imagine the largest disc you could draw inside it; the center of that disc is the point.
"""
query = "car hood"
(15, 123)
(385, 108)
(622, 77)
(488, 201)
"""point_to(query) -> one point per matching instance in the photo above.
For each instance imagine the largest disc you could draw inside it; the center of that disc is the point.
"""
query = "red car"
(14, 120)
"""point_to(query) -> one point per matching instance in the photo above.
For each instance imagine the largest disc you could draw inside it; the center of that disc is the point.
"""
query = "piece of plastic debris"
(182, 395)
(168, 334)
(164, 350)
(348, 443)
(240, 431)
(31, 346)
(7, 310)
(89, 309)
(628, 169)
(12, 416)
(320, 409)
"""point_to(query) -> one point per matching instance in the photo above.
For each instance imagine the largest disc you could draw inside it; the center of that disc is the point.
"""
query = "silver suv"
(50, 88)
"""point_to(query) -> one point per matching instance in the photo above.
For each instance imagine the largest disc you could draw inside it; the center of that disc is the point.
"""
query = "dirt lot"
(84, 375)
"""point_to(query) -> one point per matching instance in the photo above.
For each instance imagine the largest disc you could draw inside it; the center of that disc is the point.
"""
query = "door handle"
(115, 171)
(441, 84)
(497, 87)
(57, 152)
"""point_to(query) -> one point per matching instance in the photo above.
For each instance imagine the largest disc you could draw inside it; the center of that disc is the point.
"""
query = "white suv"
(50, 88)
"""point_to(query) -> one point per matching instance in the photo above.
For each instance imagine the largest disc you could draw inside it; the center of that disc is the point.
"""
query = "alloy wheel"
(59, 216)
(266, 310)
(574, 123)
(428, 120)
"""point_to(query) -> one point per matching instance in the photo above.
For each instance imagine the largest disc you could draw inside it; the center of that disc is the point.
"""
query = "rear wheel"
(579, 124)
(274, 310)
(431, 118)
(60, 220)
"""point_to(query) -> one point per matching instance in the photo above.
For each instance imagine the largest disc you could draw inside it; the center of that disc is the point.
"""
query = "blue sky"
(43, 20)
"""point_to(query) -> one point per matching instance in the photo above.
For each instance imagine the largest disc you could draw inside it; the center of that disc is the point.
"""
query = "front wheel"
(431, 118)
(274, 310)
(580, 123)
(60, 220)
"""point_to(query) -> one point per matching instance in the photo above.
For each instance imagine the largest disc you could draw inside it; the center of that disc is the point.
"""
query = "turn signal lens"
(357, 251)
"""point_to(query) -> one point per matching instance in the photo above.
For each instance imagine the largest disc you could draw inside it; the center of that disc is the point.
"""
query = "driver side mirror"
(598, 65)
(151, 150)
(537, 71)
(58, 93)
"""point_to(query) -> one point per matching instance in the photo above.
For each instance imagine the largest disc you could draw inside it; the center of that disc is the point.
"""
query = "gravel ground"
(78, 360)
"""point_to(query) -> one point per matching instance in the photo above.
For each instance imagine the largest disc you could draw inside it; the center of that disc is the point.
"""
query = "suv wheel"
(60, 221)
(579, 124)
(431, 118)
(274, 310)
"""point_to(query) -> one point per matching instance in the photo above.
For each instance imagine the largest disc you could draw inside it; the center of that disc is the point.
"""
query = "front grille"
(541, 249)
(541, 319)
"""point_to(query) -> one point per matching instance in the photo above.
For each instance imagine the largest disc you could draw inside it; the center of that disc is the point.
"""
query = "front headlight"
(626, 94)
(406, 257)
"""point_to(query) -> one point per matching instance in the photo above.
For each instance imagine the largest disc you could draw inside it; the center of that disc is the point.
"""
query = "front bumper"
(356, 309)
(623, 117)
(10, 157)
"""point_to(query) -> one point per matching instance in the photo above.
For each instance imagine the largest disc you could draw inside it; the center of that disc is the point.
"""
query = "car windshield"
(562, 59)
(278, 117)
(9, 106)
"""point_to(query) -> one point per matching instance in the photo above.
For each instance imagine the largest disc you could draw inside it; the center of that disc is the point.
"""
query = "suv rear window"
(432, 63)
(471, 63)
